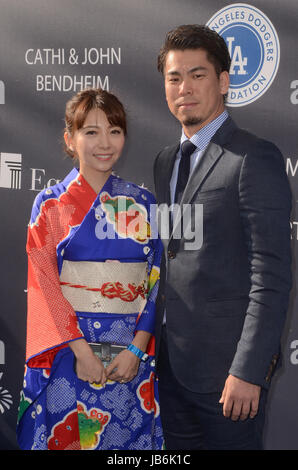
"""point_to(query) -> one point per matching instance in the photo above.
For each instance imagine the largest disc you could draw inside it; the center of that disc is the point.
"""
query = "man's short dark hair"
(193, 36)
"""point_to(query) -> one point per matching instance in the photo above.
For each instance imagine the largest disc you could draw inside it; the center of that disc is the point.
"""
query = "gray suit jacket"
(226, 301)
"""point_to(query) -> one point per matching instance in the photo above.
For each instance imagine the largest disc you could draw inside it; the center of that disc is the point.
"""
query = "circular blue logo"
(254, 49)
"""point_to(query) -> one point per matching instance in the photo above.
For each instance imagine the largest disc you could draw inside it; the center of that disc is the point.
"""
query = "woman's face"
(97, 145)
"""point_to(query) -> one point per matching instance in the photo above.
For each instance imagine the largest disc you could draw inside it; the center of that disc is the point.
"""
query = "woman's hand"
(91, 369)
(88, 366)
(124, 367)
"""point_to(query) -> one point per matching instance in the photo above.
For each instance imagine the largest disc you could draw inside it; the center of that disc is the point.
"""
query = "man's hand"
(240, 399)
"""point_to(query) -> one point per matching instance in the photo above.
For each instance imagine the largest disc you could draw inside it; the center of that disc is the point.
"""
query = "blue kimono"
(93, 270)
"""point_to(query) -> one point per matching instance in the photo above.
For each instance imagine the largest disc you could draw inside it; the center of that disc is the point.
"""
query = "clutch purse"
(106, 351)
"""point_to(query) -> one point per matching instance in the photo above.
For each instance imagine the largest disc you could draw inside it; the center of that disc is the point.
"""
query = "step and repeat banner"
(51, 50)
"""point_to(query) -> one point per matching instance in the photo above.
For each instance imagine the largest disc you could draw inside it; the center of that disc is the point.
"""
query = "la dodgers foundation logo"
(254, 49)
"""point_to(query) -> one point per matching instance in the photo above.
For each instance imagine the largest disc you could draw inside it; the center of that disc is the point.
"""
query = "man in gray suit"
(222, 304)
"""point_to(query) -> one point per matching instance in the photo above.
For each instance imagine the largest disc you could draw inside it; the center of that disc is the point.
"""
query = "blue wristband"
(140, 354)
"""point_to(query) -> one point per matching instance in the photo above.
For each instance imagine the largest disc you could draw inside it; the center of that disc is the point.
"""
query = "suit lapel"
(201, 171)
(199, 174)
(213, 152)
(165, 175)
(208, 160)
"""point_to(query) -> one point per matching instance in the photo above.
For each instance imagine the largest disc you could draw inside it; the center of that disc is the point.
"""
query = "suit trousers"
(195, 421)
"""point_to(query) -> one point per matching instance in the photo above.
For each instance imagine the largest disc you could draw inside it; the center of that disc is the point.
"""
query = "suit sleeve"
(265, 206)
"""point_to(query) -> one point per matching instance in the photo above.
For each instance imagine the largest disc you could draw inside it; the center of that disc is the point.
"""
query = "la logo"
(236, 58)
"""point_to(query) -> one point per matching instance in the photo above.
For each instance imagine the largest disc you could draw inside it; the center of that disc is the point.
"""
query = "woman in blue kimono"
(93, 270)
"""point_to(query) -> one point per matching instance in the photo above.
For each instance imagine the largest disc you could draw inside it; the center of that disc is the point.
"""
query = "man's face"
(194, 92)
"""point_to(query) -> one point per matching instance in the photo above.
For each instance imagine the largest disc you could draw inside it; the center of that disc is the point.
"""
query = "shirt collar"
(202, 138)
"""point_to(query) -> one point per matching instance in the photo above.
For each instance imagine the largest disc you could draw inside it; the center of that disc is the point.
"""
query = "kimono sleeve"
(146, 320)
(51, 320)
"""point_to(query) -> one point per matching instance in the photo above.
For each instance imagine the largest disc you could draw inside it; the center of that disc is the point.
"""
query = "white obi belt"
(107, 287)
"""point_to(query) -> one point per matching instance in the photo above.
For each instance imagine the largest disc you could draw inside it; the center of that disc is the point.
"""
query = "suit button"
(171, 254)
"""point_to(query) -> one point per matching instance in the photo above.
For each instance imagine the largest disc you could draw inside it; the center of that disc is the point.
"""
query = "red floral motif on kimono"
(129, 218)
(145, 393)
(65, 434)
